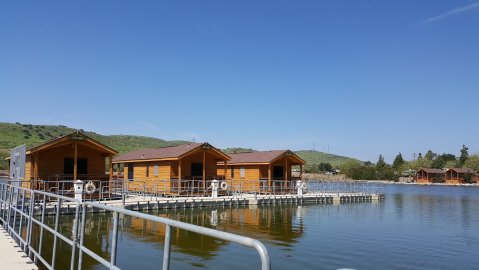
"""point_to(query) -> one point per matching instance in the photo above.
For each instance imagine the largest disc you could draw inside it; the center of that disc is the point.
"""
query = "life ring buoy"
(90, 187)
(224, 185)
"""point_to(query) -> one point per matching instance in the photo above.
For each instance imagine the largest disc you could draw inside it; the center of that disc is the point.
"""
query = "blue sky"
(358, 78)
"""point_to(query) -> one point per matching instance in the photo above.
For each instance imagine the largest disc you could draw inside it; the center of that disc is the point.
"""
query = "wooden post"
(75, 162)
(286, 169)
(179, 174)
(301, 171)
(35, 168)
(226, 169)
(204, 169)
(110, 168)
(269, 177)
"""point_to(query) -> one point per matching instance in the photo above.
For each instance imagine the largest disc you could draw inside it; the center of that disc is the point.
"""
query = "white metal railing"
(19, 210)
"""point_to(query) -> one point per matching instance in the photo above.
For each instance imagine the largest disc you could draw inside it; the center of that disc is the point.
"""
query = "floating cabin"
(163, 170)
(71, 157)
(427, 175)
(262, 170)
(456, 175)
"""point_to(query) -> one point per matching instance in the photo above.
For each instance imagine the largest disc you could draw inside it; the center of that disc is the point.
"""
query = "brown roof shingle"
(462, 170)
(157, 153)
(432, 170)
(258, 157)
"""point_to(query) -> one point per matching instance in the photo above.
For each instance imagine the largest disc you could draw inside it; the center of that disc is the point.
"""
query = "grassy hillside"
(236, 150)
(314, 158)
(12, 135)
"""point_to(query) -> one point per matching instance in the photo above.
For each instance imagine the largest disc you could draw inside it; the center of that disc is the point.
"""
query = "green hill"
(12, 135)
(314, 158)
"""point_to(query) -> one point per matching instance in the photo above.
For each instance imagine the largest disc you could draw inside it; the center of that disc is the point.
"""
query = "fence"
(155, 189)
(19, 213)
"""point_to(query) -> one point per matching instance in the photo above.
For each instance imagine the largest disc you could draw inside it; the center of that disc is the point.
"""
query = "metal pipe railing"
(21, 202)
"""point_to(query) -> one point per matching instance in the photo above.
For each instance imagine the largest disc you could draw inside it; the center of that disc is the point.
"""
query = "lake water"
(415, 227)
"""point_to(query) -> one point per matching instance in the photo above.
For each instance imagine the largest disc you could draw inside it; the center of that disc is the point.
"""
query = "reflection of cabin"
(282, 225)
(71, 157)
(456, 175)
(427, 175)
(185, 165)
(263, 168)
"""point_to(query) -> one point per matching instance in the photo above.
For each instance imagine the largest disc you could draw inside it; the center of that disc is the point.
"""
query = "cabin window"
(196, 169)
(278, 172)
(155, 171)
(130, 171)
(232, 172)
(242, 172)
(147, 170)
(69, 164)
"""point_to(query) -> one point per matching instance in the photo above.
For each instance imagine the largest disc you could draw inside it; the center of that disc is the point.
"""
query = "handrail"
(18, 201)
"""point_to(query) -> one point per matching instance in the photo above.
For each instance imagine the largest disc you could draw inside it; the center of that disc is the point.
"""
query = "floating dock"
(145, 203)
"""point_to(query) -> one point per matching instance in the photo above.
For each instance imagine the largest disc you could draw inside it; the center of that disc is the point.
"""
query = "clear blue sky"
(360, 77)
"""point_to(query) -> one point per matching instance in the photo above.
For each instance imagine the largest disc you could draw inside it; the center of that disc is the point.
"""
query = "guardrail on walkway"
(17, 214)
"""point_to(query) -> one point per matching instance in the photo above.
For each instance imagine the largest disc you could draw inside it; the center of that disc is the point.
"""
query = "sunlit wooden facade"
(71, 157)
(261, 168)
(161, 169)
(456, 176)
(427, 175)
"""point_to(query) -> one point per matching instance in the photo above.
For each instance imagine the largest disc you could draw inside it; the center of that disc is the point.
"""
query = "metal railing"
(174, 188)
(19, 209)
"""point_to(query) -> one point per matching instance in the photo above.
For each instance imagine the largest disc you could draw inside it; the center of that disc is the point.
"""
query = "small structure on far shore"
(429, 175)
(458, 175)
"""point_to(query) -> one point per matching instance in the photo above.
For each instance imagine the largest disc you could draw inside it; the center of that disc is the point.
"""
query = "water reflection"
(414, 228)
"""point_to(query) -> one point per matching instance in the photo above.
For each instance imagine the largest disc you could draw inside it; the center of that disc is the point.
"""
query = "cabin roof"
(262, 157)
(171, 152)
(74, 136)
(431, 170)
(461, 170)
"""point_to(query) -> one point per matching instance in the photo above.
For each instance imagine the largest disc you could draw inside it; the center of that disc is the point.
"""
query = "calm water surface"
(416, 227)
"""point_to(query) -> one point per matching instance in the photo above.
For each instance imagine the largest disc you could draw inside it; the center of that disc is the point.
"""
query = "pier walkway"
(11, 256)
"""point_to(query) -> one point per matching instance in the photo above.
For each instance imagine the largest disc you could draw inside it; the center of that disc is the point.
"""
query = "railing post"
(166, 252)
(57, 217)
(30, 225)
(75, 235)
(115, 238)
(82, 236)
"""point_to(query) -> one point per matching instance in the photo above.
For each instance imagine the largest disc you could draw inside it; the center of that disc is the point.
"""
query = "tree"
(469, 178)
(419, 156)
(398, 161)
(380, 164)
(438, 163)
(430, 155)
(438, 178)
(325, 167)
(464, 155)
(472, 162)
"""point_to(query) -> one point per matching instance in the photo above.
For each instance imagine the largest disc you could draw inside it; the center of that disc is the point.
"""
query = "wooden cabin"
(262, 171)
(171, 169)
(455, 176)
(427, 175)
(71, 157)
